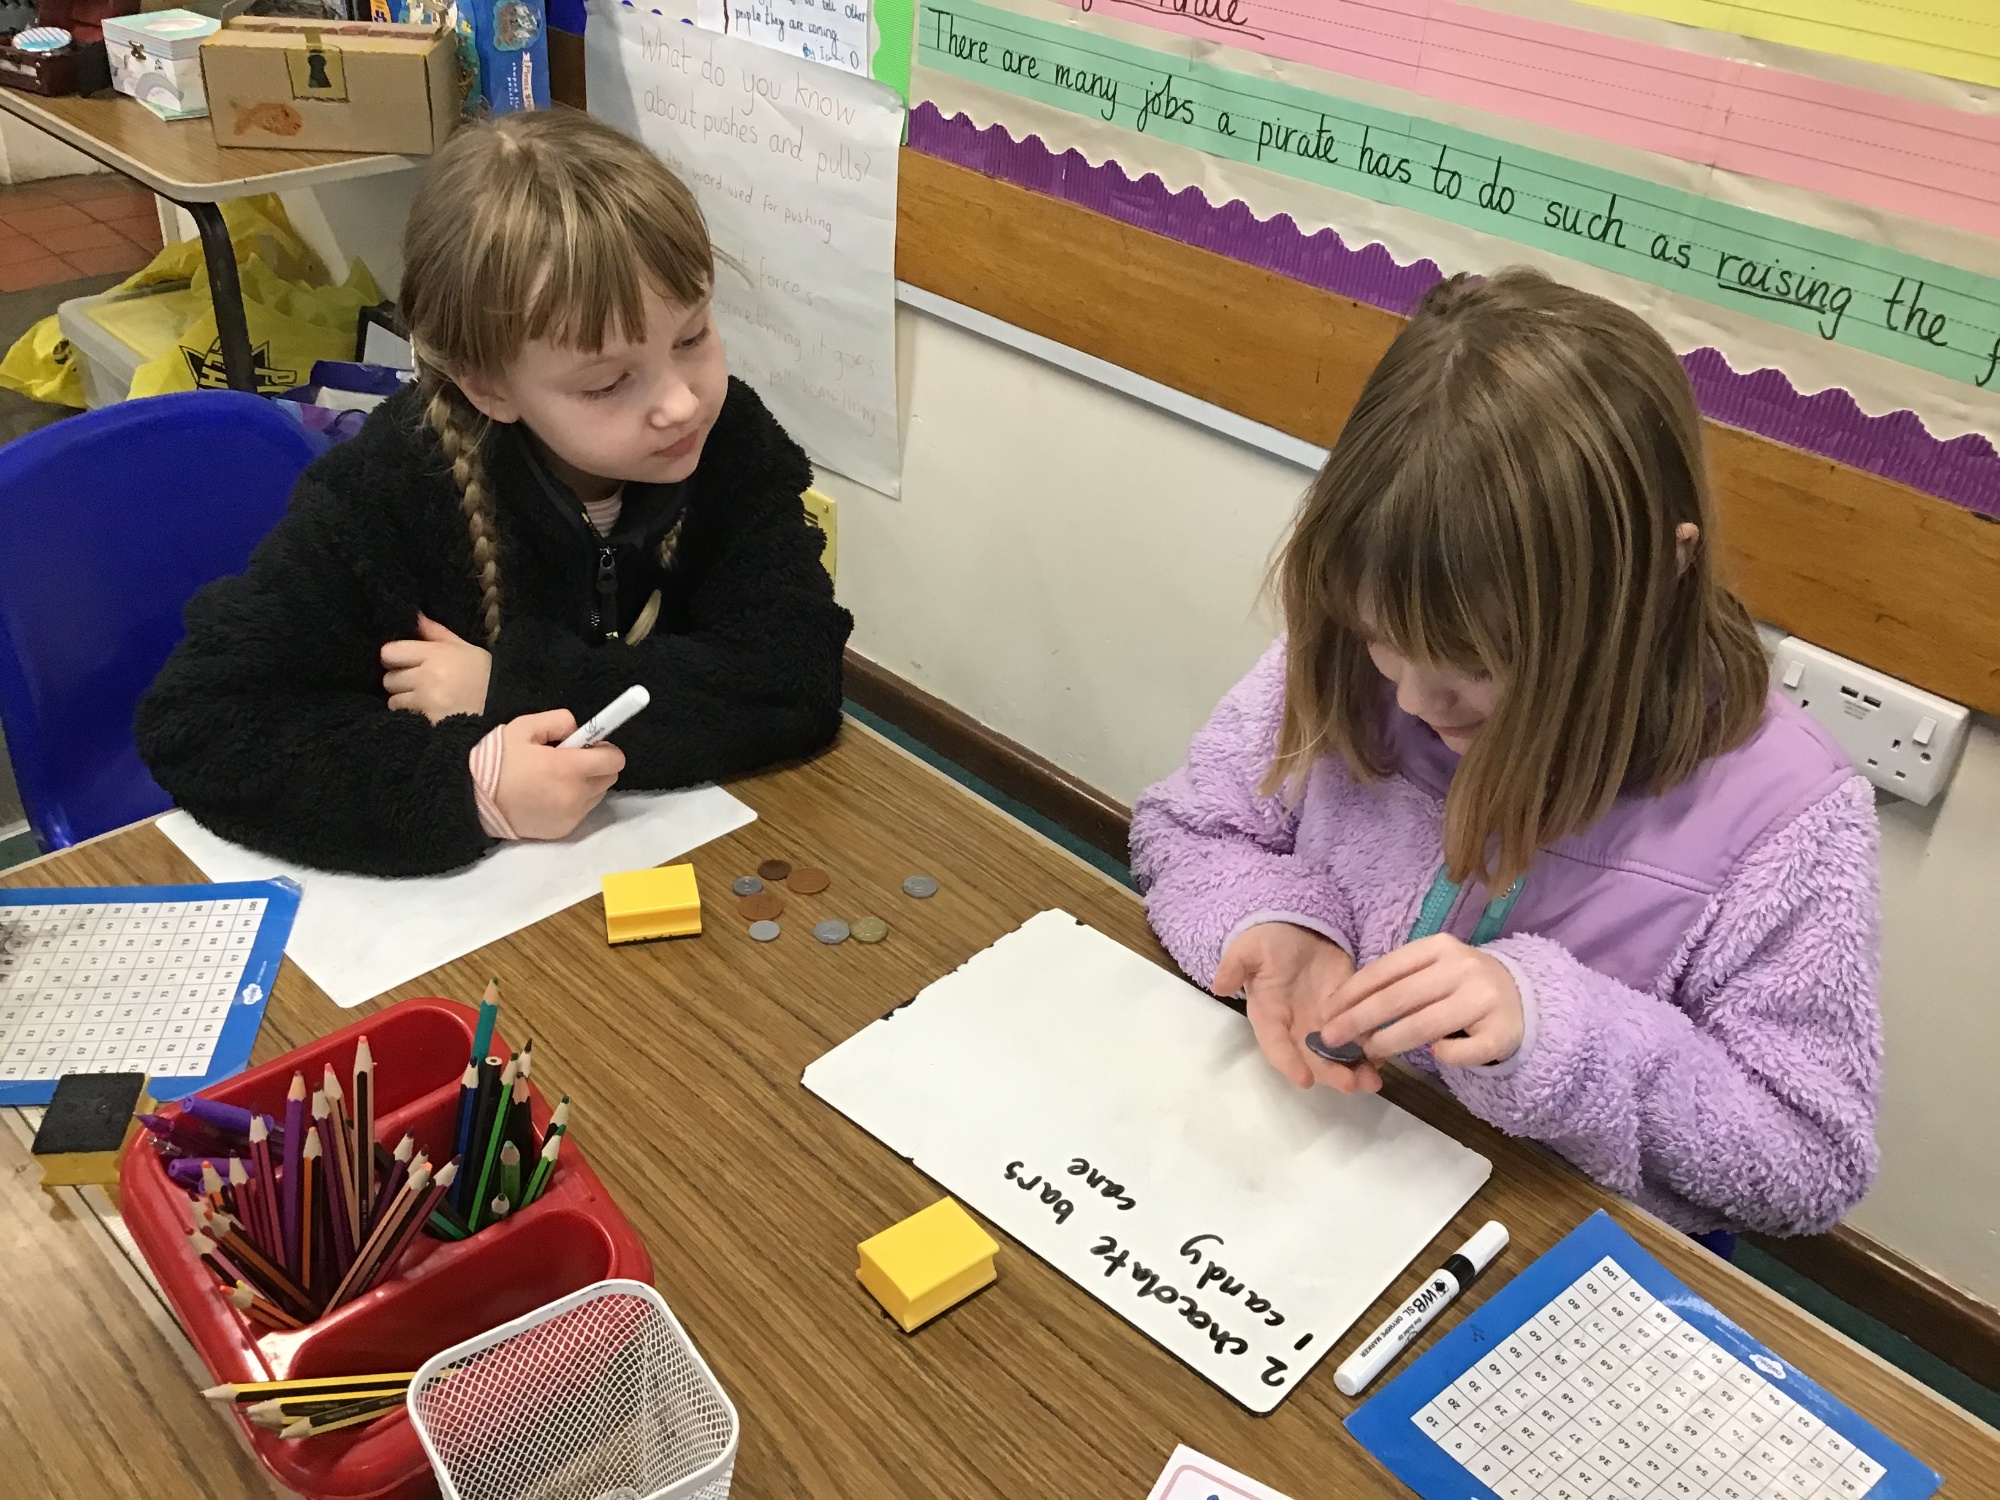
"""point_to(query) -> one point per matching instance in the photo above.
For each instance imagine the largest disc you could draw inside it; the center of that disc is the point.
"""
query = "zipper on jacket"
(604, 602)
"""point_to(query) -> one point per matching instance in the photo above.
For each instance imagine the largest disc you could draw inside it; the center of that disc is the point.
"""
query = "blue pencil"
(468, 1102)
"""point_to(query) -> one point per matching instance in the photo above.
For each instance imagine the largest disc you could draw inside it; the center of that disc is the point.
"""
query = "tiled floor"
(74, 227)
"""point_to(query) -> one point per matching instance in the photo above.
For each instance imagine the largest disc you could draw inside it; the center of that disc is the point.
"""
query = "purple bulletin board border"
(1964, 470)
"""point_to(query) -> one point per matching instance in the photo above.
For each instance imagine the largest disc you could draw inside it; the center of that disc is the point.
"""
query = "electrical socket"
(1903, 739)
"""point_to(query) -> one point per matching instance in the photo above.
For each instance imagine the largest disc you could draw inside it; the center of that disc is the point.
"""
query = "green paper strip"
(1864, 296)
(895, 23)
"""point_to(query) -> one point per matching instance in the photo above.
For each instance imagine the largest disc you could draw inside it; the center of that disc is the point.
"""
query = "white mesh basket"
(597, 1396)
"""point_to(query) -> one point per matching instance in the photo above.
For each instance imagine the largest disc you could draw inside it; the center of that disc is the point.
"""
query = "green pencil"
(510, 1172)
(544, 1169)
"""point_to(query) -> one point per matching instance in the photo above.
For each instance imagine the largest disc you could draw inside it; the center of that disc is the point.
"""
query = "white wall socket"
(1902, 738)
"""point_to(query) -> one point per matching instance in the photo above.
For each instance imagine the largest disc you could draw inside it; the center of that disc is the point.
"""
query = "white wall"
(28, 154)
(1080, 571)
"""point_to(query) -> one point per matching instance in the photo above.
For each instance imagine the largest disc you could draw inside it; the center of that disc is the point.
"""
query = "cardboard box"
(339, 86)
(156, 58)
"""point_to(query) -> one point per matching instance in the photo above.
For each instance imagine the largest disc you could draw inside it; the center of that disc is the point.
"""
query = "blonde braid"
(462, 431)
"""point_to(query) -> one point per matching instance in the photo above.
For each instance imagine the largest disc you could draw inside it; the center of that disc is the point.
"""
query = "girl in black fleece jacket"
(575, 498)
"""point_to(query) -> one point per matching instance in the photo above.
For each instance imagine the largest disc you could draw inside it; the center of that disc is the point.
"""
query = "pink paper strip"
(1924, 160)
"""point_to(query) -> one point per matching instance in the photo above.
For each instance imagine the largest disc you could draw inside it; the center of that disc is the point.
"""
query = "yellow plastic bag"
(295, 316)
(44, 367)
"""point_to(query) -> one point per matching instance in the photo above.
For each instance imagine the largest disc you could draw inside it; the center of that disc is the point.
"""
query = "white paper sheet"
(1126, 1128)
(357, 936)
(834, 32)
(795, 169)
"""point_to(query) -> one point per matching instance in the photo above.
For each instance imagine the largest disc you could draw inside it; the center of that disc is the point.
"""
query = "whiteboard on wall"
(794, 166)
(1124, 1126)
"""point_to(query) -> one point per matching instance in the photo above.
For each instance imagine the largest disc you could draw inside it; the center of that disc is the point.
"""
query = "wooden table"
(180, 161)
(684, 1059)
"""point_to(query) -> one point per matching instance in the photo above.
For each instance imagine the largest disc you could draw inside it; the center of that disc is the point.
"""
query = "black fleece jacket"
(269, 722)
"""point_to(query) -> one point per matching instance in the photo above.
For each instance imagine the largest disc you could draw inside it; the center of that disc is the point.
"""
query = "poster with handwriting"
(1125, 1127)
(871, 37)
(794, 166)
(1905, 307)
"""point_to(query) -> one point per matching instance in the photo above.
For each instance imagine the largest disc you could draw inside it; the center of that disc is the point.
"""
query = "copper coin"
(808, 881)
(774, 869)
(762, 907)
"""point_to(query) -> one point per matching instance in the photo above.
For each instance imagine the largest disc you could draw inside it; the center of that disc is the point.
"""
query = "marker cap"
(1478, 1252)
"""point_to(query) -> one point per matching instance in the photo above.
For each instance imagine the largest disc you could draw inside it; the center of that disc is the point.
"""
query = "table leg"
(225, 290)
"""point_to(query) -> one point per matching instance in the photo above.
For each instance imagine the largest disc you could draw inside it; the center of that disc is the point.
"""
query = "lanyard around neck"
(1443, 894)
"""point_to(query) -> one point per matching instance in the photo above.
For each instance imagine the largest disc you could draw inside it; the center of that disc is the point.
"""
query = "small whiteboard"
(1124, 1126)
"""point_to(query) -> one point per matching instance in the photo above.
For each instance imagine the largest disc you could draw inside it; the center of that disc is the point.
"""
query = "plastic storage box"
(115, 335)
(444, 1293)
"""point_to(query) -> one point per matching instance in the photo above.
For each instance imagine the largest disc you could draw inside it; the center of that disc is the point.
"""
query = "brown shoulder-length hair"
(1504, 499)
(543, 224)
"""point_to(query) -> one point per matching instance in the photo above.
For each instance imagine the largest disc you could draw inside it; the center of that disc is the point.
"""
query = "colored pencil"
(364, 1137)
(489, 1012)
(486, 1145)
(259, 1390)
(309, 1195)
(415, 1189)
(277, 1414)
(544, 1169)
(520, 1124)
(498, 1208)
(264, 1273)
(295, 1133)
(468, 1103)
(527, 1057)
(361, 1411)
(264, 1185)
(491, 1072)
(559, 1121)
(340, 1159)
(399, 1171)
(247, 1299)
(242, 1202)
(412, 1225)
(510, 1173)
(211, 1187)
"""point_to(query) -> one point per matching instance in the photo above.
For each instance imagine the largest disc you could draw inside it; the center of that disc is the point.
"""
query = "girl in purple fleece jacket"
(1513, 798)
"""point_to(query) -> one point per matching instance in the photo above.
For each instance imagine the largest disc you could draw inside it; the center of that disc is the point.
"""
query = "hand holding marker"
(609, 719)
(1413, 1317)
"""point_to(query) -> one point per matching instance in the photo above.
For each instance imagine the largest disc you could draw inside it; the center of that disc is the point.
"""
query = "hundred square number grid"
(170, 981)
(1595, 1375)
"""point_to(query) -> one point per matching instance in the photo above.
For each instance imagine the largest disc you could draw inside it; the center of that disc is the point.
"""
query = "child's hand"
(437, 674)
(1435, 992)
(1287, 975)
(545, 792)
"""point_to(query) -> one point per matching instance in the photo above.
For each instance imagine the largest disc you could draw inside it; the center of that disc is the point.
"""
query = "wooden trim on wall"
(1935, 1315)
(1959, 1329)
(1864, 566)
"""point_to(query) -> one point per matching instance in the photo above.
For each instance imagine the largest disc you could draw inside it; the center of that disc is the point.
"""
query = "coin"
(774, 869)
(764, 932)
(922, 887)
(831, 931)
(808, 881)
(761, 907)
(870, 930)
(746, 885)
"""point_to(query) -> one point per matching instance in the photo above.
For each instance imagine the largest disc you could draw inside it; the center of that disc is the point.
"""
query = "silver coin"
(831, 931)
(922, 887)
(746, 885)
(764, 932)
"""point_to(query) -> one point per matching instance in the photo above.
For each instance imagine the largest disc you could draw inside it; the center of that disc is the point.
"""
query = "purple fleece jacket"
(1697, 969)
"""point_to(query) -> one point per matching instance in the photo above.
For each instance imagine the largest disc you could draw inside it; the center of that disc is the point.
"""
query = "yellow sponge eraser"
(651, 904)
(931, 1261)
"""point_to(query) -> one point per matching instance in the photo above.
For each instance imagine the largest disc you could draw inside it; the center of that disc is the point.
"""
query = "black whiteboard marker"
(1414, 1316)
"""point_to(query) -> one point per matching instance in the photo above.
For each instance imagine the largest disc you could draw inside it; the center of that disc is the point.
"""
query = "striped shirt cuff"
(485, 760)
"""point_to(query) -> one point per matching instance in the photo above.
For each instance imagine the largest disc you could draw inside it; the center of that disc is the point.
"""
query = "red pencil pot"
(442, 1292)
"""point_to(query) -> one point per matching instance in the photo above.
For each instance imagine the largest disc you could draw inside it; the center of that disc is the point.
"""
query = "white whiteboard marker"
(1414, 1316)
(608, 719)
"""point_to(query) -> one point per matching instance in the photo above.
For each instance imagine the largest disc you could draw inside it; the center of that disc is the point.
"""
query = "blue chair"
(109, 522)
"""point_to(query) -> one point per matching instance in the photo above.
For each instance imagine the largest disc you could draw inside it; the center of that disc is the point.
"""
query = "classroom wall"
(1080, 571)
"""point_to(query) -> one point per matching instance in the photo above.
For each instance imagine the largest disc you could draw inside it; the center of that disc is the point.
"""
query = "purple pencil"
(295, 1134)
(393, 1183)
(335, 1184)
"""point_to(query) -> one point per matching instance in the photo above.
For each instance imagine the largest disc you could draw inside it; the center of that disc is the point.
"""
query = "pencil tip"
(298, 1088)
(220, 1393)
